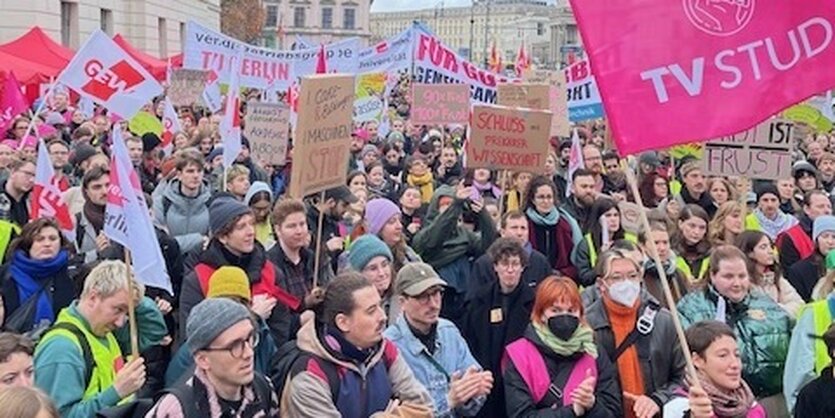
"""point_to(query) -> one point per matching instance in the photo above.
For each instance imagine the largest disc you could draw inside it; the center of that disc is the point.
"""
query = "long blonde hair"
(716, 227)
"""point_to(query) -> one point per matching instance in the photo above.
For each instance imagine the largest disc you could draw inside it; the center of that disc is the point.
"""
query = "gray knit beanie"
(209, 319)
(223, 210)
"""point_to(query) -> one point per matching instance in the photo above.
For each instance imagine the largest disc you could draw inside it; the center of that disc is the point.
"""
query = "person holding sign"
(556, 367)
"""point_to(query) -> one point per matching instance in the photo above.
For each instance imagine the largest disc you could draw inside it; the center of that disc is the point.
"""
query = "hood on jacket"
(252, 263)
(432, 211)
(310, 341)
(171, 191)
(256, 187)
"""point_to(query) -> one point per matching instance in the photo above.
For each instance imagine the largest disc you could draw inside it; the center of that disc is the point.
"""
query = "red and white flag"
(104, 72)
(125, 201)
(230, 125)
(13, 101)
(170, 125)
(575, 161)
(47, 199)
(211, 93)
(523, 61)
(322, 60)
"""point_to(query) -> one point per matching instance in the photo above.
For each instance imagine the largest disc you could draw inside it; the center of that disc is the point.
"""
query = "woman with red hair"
(555, 366)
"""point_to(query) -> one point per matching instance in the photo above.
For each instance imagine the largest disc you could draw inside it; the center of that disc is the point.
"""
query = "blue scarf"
(30, 276)
(552, 218)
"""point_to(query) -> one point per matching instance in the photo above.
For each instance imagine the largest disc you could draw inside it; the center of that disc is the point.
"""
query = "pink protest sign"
(440, 104)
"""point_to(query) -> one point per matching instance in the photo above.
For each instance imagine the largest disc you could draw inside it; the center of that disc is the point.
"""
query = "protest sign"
(370, 101)
(323, 133)
(630, 217)
(145, 122)
(389, 55)
(440, 104)
(762, 152)
(436, 63)
(507, 138)
(186, 86)
(527, 95)
(743, 60)
(558, 99)
(267, 128)
(583, 97)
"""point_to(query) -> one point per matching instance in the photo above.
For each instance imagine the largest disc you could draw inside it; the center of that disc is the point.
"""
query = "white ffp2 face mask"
(625, 292)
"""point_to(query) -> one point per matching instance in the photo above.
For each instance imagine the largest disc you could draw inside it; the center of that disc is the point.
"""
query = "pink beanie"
(378, 212)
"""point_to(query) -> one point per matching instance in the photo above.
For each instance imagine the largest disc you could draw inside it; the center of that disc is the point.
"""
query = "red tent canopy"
(155, 66)
(176, 60)
(37, 47)
(26, 72)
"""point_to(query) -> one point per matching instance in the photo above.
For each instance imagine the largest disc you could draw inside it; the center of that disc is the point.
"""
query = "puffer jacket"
(763, 330)
(187, 218)
(662, 363)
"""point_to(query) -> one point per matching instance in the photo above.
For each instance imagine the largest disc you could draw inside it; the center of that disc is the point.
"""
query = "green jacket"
(443, 241)
(60, 367)
(763, 330)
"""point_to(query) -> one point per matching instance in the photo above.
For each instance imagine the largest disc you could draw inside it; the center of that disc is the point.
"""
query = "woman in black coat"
(37, 271)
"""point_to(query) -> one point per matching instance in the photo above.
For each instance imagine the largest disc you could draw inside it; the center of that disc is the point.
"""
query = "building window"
(349, 21)
(162, 29)
(106, 21)
(298, 17)
(69, 24)
(540, 29)
(272, 16)
(327, 18)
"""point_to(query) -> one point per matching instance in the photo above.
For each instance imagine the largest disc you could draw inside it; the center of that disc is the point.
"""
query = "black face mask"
(563, 326)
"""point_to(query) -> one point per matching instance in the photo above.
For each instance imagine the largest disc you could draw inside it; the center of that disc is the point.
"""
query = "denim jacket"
(451, 354)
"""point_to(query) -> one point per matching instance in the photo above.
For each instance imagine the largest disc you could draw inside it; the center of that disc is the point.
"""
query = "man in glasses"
(433, 347)
(222, 339)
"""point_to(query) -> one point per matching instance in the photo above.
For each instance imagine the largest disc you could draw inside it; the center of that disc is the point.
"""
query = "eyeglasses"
(236, 348)
(544, 197)
(425, 297)
(507, 265)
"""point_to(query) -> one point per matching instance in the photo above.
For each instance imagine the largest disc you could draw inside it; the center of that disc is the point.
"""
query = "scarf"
(336, 341)
(31, 275)
(552, 218)
(623, 321)
(488, 188)
(733, 404)
(772, 228)
(426, 184)
(582, 341)
(95, 214)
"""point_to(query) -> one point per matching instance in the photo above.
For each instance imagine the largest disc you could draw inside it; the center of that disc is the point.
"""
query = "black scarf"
(94, 214)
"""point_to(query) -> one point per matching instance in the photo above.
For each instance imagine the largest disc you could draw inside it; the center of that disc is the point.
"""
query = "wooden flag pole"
(505, 191)
(662, 275)
(318, 240)
(134, 336)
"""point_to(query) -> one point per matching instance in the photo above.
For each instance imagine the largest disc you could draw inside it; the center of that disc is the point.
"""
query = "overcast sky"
(397, 5)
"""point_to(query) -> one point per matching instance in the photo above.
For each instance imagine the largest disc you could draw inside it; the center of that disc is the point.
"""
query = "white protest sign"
(762, 152)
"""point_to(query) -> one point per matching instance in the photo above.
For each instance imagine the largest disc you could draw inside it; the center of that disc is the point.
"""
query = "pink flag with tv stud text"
(678, 71)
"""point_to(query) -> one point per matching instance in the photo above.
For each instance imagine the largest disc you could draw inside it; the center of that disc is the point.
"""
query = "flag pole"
(662, 275)
(505, 191)
(134, 337)
(223, 181)
(318, 241)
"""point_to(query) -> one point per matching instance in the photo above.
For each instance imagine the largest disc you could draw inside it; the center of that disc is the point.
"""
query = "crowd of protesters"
(418, 288)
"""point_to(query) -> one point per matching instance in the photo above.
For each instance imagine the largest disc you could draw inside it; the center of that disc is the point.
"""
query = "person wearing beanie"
(767, 216)
(256, 172)
(259, 198)
(230, 283)
(182, 203)
(233, 243)
(383, 219)
(419, 292)
(804, 274)
(694, 188)
(805, 176)
(150, 142)
(223, 342)
(370, 153)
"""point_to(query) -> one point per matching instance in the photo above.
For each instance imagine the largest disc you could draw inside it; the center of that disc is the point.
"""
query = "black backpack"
(288, 358)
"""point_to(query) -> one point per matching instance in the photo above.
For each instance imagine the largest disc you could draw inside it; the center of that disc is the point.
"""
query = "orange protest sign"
(559, 99)
(323, 133)
(440, 104)
(531, 96)
(507, 138)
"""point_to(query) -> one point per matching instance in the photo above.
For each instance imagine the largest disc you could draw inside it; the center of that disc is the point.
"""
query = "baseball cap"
(416, 278)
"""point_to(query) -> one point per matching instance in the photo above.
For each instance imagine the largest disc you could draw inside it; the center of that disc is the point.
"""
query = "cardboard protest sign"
(507, 138)
(762, 152)
(323, 133)
(440, 104)
(267, 128)
(630, 216)
(558, 100)
(527, 95)
(186, 86)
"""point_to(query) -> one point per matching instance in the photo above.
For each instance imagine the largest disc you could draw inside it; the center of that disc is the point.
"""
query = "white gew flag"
(230, 125)
(575, 160)
(104, 72)
(170, 125)
(127, 219)
(211, 93)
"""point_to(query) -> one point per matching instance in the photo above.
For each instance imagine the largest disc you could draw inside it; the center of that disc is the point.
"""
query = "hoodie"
(187, 218)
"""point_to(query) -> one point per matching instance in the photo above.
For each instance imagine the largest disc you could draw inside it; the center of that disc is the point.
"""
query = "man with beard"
(449, 168)
(14, 199)
(694, 189)
(826, 166)
(346, 367)
(358, 139)
(89, 223)
(336, 203)
(593, 160)
(59, 155)
(582, 195)
(561, 178)
(433, 347)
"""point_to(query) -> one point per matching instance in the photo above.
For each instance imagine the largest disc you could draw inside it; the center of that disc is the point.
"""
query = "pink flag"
(170, 125)
(230, 125)
(673, 72)
(321, 60)
(47, 199)
(575, 161)
(12, 103)
(104, 72)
